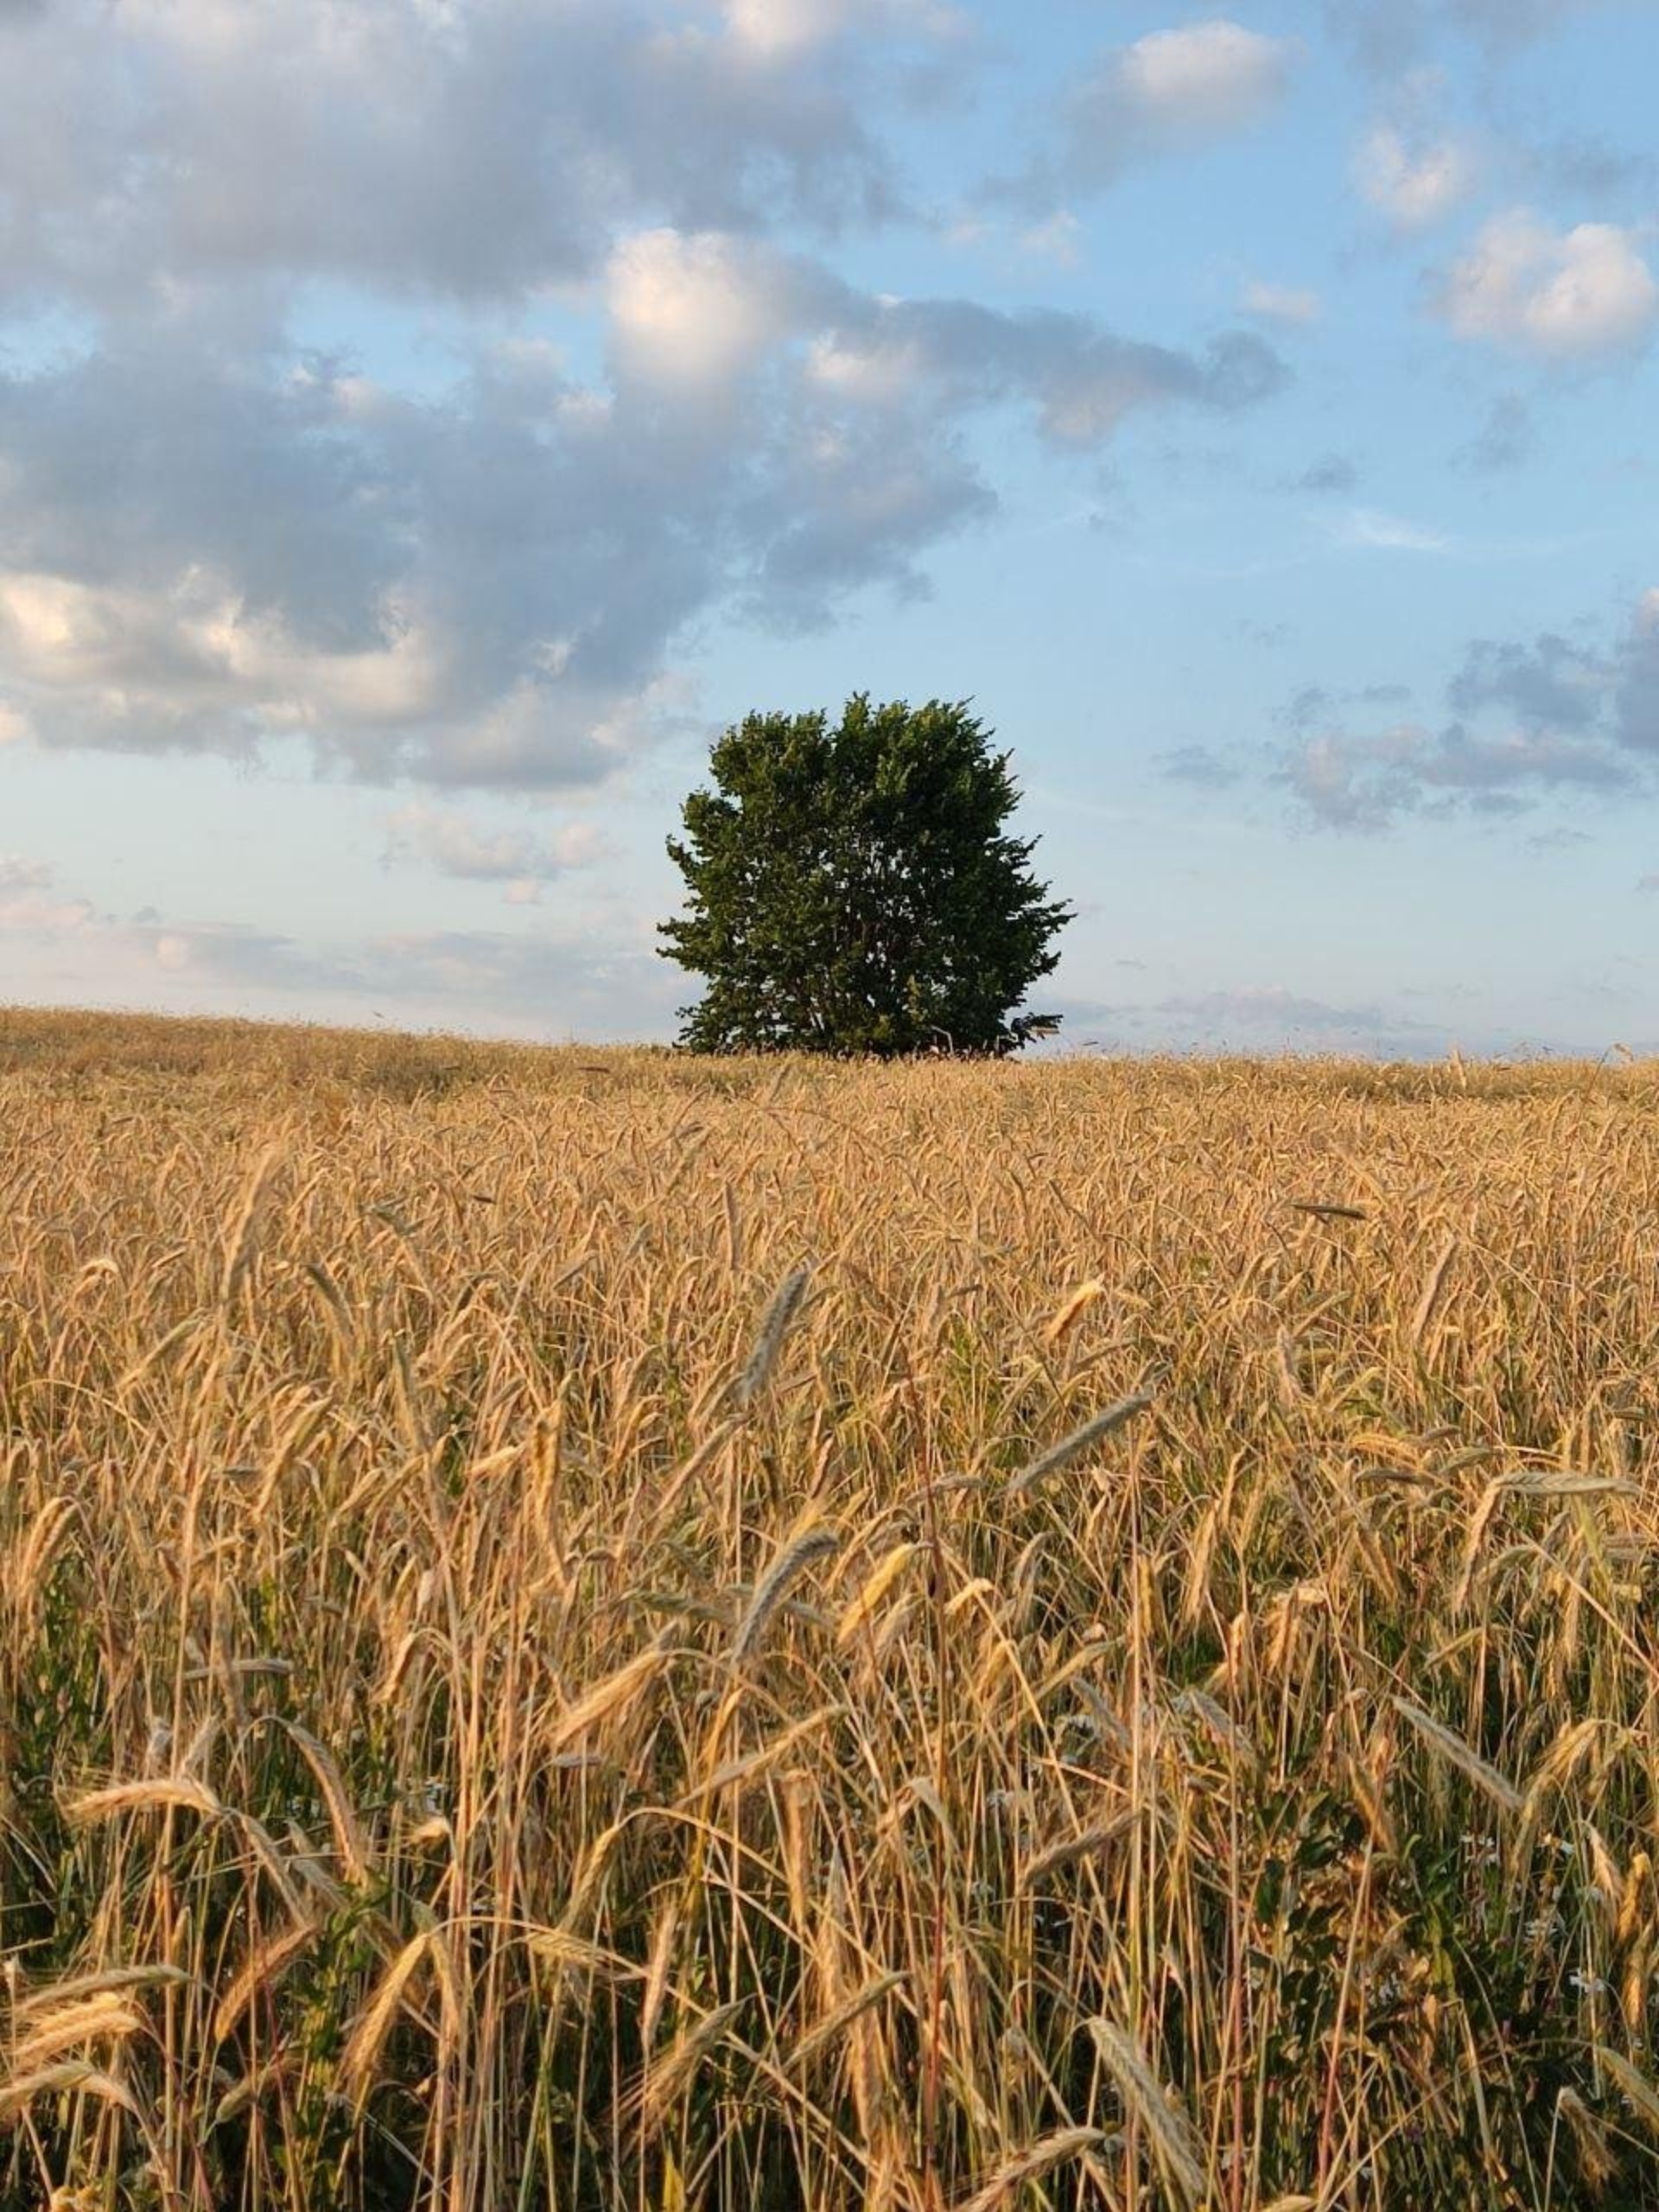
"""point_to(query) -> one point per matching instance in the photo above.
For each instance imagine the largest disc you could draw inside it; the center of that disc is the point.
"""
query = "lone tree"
(851, 889)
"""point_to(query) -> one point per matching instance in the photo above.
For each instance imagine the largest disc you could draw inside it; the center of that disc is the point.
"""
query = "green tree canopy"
(851, 888)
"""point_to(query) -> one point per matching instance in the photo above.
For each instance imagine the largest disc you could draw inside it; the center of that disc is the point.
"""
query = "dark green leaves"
(851, 889)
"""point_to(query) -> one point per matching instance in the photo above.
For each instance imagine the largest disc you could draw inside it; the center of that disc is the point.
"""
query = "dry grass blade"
(791, 1563)
(1093, 1431)
(1461, 1755)
(1056, 2150)
(1168, 2129)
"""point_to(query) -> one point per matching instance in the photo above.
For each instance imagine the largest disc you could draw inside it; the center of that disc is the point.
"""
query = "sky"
(425, 424)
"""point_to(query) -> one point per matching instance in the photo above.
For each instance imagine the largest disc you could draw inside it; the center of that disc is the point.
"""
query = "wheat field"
(602, 1630)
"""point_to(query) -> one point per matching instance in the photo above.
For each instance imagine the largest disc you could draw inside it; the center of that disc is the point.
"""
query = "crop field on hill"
(603, 1630)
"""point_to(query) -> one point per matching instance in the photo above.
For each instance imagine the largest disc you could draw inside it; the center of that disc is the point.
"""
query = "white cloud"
(520, 861)
(1414, 182)
(1367, 527)
(1290, 304)
(1057, 238)
(1564, 296)
(698, 310)
(1258, 1018)
(786, 27)
(867, 369)
(472, 151)
(27, 904)
(219, 535)
(1552, 714)
(526, 982)
(774, 28)
(487, 589)
(1170, 92)
(1350, 780)
(1203, 80)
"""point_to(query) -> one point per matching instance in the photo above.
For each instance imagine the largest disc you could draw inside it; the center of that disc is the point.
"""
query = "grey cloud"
(1081, 379)
(1509, 21)
(555, 982)
(1200, 765)
(213, 541)
(1583, 166)
(1388, 35)
(1366, 781)
(1314, 704)
(17, 873)
(543, 983)
(1269, 1017)
(1329, 472)
(1505, 440)
(1635, 702)
(1569, 718)
(475, 152)
(455, 845)
(1170, 92)
(1548, 685)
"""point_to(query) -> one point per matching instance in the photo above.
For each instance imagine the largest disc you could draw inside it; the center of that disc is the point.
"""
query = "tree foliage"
(851, 888)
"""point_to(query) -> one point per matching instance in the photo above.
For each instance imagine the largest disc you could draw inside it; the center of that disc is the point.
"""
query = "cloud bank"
(219, 539)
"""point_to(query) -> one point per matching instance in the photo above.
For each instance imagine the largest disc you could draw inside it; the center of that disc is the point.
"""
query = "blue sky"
(424, 423)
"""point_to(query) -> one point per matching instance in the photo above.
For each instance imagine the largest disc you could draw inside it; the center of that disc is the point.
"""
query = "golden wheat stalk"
(666, 2076)
(1093, 1431)
(786, 1569)
(242, 1234)
(1636, 2090)
(1167, 2129)
(1024, 2166)
(73, 2078)
(363, 2046)
(106, 2017)
(781, 1310)
(607, 1699)
(179, 1792)
(1461, 1755)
